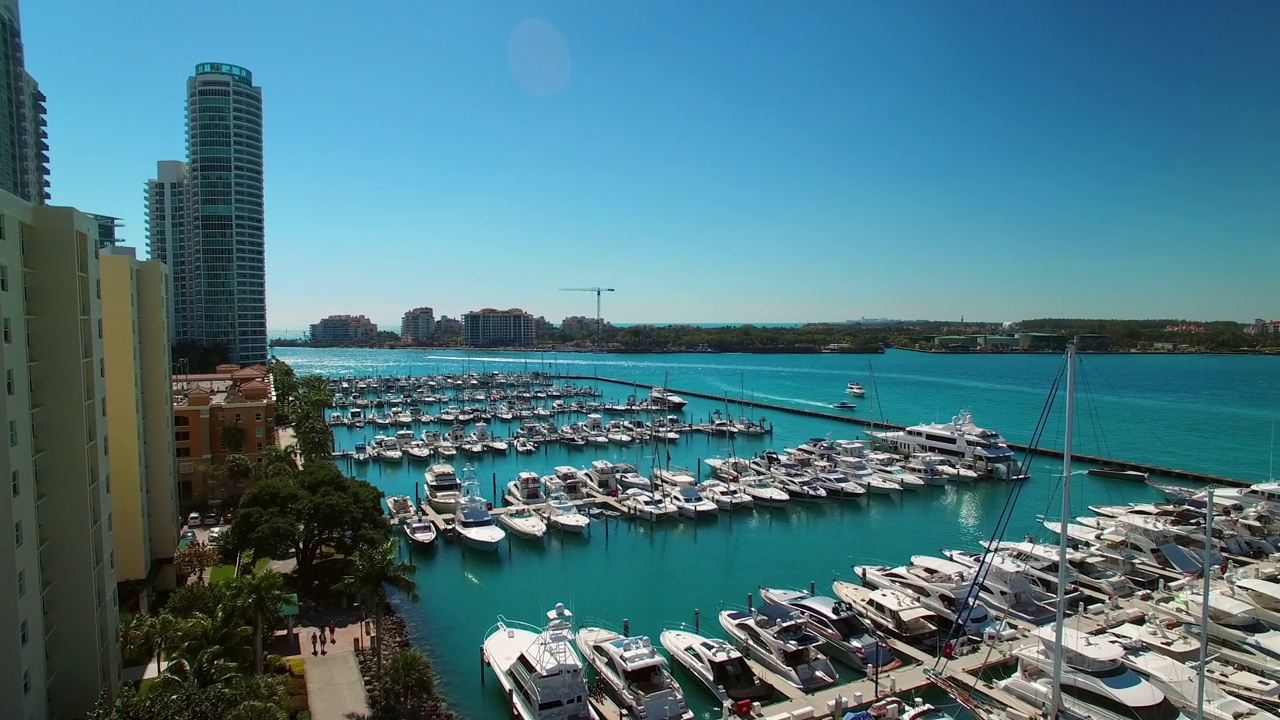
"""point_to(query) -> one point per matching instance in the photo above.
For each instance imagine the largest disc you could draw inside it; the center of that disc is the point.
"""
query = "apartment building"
(58, 619)
(506, 328)
(229, 412)
(418, 326)
(343, 330)
(136, 340)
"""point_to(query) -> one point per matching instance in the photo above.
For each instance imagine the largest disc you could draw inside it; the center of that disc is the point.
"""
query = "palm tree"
(133, 635)
(408, 677)
(212, 651)
(375, 569)
(161, 633)
(277, 462)
(238, 469)
(233, 437)
(261, 592)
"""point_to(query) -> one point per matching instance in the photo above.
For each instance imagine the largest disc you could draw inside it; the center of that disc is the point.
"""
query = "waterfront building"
(490, 327)
(998, 343)
(220, 297)
(448, 326)
(418, 326)
(135, 320)
(343, 330)
(58, 617)
(957, 342)
(1041, 341)
(581, 325)
(24, 158)
(1262, 327)
(231, 411)
(1093, 342)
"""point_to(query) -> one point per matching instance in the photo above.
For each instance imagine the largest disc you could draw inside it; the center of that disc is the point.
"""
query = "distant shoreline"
(766, 351)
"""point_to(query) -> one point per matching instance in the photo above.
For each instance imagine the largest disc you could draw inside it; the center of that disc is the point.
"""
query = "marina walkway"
(335, 686)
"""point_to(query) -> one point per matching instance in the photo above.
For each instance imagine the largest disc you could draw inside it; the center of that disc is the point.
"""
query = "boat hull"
(488, 543)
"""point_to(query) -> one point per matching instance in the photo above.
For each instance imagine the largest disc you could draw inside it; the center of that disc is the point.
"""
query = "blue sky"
(745, 161)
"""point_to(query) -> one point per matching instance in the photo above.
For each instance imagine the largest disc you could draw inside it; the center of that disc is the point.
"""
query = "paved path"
(334, 684)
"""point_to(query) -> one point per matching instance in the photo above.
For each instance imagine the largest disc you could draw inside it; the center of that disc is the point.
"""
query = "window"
(13, 433)
(4, 278)
(259, 447)
(106, 445)
(17, 484)
(99, 328)
(8, 381)
(237, 418)
(26, 682)
(8, 334)
(181, 421)
(22, 583)
(257, 431)
(22, 632)
(102, 368)
(184, 452)
(258, 416)
(17, 533)
(182, 436)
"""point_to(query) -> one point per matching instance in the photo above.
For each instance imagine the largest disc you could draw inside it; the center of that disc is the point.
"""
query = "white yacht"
(1091, 571)
(1095, 683)
(523, 521)
(538, 668)
(725, 496)
(390, 451)
(951, 596)
(497, 445)
(780, 639)
(417, 450)
(1041, 574)
(834, 482)
(762, 491)
(1155, 636)
(1180, 683)
(525, 446)
(959, 439)
(474, 521)
(601, 477)
(663, 398)
(361, 453)
(688, 501)
(855, 389)
(886, 468)
(626, 476)
(403, 438)
(646, 505)
(400, 507)
(798, 486)
(857, 470)
(728, 469)
(894, 611)
(526, 489)
(1263, 595)
(563, 514)
(1005, 587)
(1232, 621)
(927, 470)
(420, 531)
(567, 480)
(443, 488)
(717, 664)
(635, 673)
(847, 637)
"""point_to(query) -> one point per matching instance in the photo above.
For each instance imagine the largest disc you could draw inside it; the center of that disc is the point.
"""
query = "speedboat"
(927, 470)
(717, 664)
(420, 531)
(646, 505)
(847, 637)
(567, 480)
(635, 673)
(400, 507)
(855, 388)
(1095, 683)
(522, 521)
(897, 613)
(761, 491)
(443, 488)
(724, 495)
(526, 489)
(835, 483)
(496, 445)
(361, 453)
(856, 469)
(417, 450)
(780, 639)
(663, 398)
(390, 451)
(689, 502)
(1232, 621)
(951, 596)
(538, 668)
(475, 523)
(884, 466)
(797, 485)
(626, 477)
(446, 449)
(563, 514)
(526, 446)
(843, 406)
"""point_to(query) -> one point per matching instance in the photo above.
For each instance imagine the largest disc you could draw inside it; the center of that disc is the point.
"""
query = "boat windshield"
(797, 657)
(476, 522)
(849, 626)
(733, 674)
(690, 495)
(444, 485)
(646, 679)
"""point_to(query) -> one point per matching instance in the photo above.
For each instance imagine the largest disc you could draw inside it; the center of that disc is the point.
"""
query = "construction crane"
(599, 321)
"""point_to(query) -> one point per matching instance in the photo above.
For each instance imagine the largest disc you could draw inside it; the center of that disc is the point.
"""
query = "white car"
(193, 520)
(215, 533)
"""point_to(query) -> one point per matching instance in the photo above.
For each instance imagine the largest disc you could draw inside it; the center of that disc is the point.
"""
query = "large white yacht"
(1232, 621)
(664, 398)
(780, 639)
(539, 670)
(1005, 588)
(717, 664)
(635, 672)
(896, 612)
(1180, 683)
(1091, 571)
(941, 592)
(443, 488)
(960, 439)
(846, 636)
(646, 505)
(1095, 683)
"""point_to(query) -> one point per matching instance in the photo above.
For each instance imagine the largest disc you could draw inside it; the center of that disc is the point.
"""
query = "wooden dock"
(1198, 477)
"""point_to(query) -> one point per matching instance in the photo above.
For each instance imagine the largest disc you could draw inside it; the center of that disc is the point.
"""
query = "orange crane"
(599, 322)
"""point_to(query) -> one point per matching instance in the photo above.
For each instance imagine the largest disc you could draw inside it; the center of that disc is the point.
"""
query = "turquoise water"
(1207, 413)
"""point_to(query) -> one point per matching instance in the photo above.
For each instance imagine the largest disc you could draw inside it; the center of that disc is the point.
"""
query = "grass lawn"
(221, 573)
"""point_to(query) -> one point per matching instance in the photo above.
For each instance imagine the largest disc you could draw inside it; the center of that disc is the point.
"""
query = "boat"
(1005, 586)
(400, 507)
(858, 470)
(526, 489)
(960, 440)
(663, 398)
(1118, 474)
(635, 673)
(834, 482)
(717, 665)
(1091, 571)
(563, 514)
(797, 485)
(361, 453)
(475, 522)
(443, 488)
(523, 521)
(847, 637)
(724, 495)
(1232, 621)
(886, 468)
(626, 477)
(688, 501)
(390, 451)
(843, 406)
(420, 530)
(646, 505)
(780, 639)
(899, 614)
(951, 596)
(762, 491)
(855, 388)
(567, 480)
(417, 450)
(496, 445)
(539, 670)
(525, 446)
(928, 470)
(1180, 683)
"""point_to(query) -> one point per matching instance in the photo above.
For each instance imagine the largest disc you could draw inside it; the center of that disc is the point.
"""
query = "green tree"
(133, 636)
(195, 559)
(233, 437)
(211, 650)
(407, 676)
(196, 599)
(162, 633)
(261, 593)
(276, 462)
(241, 698)
(238, 469)
(319, 508)
(375, 569)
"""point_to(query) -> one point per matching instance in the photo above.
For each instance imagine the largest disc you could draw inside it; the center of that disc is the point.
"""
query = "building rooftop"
(233, 385)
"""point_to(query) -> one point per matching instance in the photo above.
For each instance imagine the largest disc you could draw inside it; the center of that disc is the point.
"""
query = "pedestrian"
(333, 633)
(313, 644)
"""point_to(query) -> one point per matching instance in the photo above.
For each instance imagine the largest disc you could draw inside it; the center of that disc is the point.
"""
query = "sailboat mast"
(1060, 619)
(1204, 600)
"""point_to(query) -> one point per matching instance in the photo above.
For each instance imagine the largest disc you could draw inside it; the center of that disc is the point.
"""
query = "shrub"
(297, 667)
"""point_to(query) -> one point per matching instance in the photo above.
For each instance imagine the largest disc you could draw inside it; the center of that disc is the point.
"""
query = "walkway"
(335, 686)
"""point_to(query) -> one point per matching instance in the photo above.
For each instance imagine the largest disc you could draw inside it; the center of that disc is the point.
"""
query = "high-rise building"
(135, 318)
(24, 159)
(418, 326)
(490, 327)
(216, 243)
(58, 619)
(343, 330)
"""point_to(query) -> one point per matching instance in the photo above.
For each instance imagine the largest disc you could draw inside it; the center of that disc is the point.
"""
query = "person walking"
(313, 644)
(333, 633)
(322, 635)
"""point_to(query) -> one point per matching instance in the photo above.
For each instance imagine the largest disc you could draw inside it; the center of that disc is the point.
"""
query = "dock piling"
(813, 588)
(626, 627)
(482, 665)
(697, 621)
(751, 600)
(495, 487)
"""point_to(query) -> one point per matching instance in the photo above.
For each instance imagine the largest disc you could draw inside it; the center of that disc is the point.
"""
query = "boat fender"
(949, 650)
(488, 506)
(742, 708)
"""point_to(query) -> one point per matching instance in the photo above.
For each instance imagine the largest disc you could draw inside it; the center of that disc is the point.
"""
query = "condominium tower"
(214, 244)
(24, 159)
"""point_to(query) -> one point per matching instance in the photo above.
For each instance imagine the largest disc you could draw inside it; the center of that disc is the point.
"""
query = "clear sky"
(713, 161)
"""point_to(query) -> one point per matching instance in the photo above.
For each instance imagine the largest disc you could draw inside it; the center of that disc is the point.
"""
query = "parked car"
(216, 533)
(226, 518)
(188, 535)
(211, 518)
(193, 520)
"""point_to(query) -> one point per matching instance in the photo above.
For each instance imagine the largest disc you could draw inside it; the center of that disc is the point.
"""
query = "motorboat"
(526, 489)
(1040, 573)
(858, 470)
(417, 450)
(1090, 570)
(897, 613)
(961, 440)
(780, 639)
(446, 449)
(834, 482)
(928, 471)
(443, 488)
(601, 476)
(567, 480)
(951, 596)
(626, 477)
(497, 445)
(847, 637)
(1232, 621)
(420, 531)
(724, 495)
(728, 469)
(663, 398)
(885, 466)
(403, 438)
(855, 388)
(390, 451)
(361, 453)
(1095, 681)
(762, 491)
(472, 447)
(1180, 683)
(1263, 595)
(635, 673)
(1118, 474)
(563, 514)
(893, 708)
(400, 507)
(688, 501)
(1005, 586)
(1108, 552)
(1156, 636)
(717, 665)
(797, 485)
(523, 521)
(539, 670)
(646, 505)
(474, 521)
(843, 406)
(525, 446)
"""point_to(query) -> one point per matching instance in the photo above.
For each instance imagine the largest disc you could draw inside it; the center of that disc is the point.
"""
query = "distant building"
(206, 408)
(542, 325)
(1093, 342)
(343, 330)
(24, 147)
(418, 326)
(448, 326)
(1041, 341)
(1187, 328)
(1262, 327)
(579, 324)
(998, 343)
(167, 242)
(506, 328)
(956, 342)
